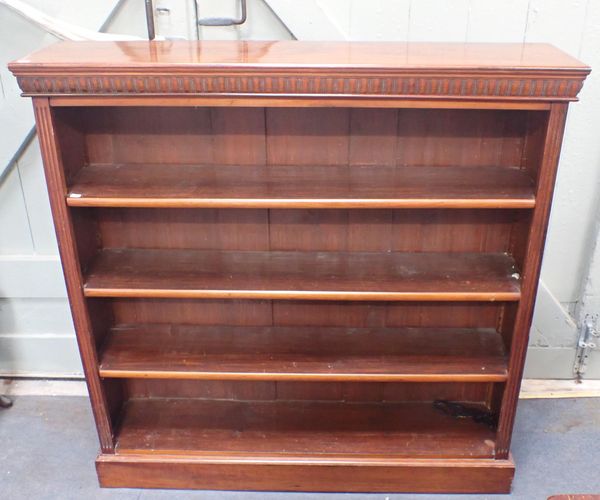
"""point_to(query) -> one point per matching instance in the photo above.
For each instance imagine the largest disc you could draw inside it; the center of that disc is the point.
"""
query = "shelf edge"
(303, 295)
(321, 377)
(464, 203)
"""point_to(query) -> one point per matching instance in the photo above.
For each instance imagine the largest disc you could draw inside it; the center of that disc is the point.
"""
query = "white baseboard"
(530, 389)
(548, 388)
(36, 387)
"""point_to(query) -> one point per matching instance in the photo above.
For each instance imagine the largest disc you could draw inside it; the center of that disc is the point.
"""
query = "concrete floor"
(48, 445)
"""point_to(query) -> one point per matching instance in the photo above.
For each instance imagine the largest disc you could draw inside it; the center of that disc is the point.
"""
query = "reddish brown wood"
(360, 392)
(178, 55)
(208, 229)
(410, 475)
(193, 311)
(299, 428)
(63, 224)
(302, 275)
(531, 272)
(292, 136)
(330, 230)
(307, 313)
(310, 187)
(486, 139)
(286, 252)
(258, 101)
(280, 68)
(303, 353)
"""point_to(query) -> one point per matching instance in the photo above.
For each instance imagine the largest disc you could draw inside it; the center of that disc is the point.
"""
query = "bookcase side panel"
(534, 249)
(55, 172)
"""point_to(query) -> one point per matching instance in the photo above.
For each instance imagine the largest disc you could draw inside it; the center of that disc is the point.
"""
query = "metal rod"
(196, 18)
(150, 20)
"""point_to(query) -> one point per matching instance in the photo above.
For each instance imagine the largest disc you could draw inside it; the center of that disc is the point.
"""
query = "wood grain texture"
(468, 138)
(218, 55)
(295, 429)
(67, 240)
(308, 187)
(258, 101)
(307, 313)
(272, 390)
(330, 230)
(280, 68)
(531, 272)
(180, 135)
(302, 275)
(208, 229)
(304, 136)
(303, 353)
(376, 475)
(192, 311)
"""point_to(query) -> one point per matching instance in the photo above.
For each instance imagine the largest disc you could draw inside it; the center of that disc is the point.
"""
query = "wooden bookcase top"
(293, 68)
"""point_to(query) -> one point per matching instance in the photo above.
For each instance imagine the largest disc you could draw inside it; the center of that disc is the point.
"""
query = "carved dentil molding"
(466, 87)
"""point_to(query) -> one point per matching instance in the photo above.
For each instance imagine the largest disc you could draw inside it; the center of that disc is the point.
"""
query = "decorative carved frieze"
(466, 87)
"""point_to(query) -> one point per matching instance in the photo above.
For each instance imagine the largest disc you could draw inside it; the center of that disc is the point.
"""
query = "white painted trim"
(36, 387)
(542, 388)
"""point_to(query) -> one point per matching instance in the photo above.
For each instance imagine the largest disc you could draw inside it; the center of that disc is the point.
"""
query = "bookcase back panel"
(309, 230)
(319, 391)
(306, 136)
(306, 313)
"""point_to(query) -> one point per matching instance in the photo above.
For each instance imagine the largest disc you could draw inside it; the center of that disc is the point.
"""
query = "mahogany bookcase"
(302, 266)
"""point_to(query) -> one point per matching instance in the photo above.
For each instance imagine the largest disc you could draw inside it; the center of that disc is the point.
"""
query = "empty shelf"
(303, 275)
(215, 186)
(304, 353)
(299, 430)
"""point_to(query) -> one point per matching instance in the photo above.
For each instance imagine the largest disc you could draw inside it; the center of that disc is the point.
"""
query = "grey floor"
(48, 445)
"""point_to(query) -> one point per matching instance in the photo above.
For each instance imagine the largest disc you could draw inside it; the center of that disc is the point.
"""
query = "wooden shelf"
(303, 275)
(306, 430)
(304, 353)
(215, 186)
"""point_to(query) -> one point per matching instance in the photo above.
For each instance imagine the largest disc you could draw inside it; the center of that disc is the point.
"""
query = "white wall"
(35, 330)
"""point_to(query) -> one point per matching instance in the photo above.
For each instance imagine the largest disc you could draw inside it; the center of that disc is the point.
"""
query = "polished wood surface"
(280, 254)
(226, 186)
(281, 68)
(300, 54)
(258, 101)
(54, 168)
(534, 248)
(294, 428)
(302, 275)
(303, 353)
(318, 474)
